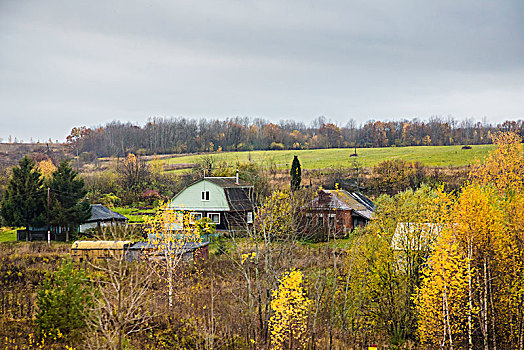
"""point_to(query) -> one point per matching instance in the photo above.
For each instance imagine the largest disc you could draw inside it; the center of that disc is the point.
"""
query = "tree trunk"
(492, 312)
(445, 297)
(170, 289)
(470, 300)
(485, 313)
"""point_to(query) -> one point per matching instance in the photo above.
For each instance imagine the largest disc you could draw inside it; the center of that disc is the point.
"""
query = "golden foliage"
(474, 284)
(504, 167)
(168, 232)
(47, 168)
(273, 218)
(441, 302)
(290, 306)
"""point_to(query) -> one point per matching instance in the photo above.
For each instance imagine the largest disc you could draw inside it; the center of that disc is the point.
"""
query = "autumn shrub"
(150, 197)
(393, 176)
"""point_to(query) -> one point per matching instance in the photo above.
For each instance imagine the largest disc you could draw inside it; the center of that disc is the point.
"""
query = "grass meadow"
(441, 156)
(7, 234)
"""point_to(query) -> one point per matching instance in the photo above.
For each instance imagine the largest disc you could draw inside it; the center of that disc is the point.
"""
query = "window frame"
(204, 196)
(209, 216)
(192, 216)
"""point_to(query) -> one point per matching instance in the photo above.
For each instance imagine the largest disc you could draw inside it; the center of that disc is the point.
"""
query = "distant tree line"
(182, 135)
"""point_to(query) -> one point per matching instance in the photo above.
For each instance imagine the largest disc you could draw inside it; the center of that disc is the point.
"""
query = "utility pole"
(48, 226)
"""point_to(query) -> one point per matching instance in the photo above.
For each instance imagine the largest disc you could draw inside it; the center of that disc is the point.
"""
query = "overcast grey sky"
(70, 63)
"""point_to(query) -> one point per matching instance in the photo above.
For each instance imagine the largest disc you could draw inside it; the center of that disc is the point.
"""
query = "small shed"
(92, 250)
(149, 250)
(102, 216)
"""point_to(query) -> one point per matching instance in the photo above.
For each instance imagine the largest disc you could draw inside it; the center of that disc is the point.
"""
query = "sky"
(72, 63)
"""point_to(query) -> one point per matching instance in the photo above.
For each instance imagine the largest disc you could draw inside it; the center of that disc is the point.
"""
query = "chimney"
(236, 182)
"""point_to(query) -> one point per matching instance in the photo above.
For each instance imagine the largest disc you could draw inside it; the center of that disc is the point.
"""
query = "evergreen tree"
(69, 208)
(296, 174)
(23, 203)
(63, 299)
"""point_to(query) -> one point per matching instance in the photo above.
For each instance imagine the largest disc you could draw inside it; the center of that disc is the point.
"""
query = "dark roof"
(100, 212)
(185, 247)
(227, 182)
(342, 200)
(239, 199)
(366, 214)
(363, 199)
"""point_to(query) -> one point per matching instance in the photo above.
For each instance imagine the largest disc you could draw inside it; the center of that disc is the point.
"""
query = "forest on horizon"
(185, 135)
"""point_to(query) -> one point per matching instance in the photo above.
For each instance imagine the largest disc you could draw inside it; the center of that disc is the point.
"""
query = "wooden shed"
(92, 250)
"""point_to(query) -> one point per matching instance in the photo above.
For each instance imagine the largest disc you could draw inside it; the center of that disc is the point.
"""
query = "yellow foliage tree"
(275, 217)
(485, 252)
(47, 168)
(504, 167)
(169, 233)
(290, 306)
(442, 301)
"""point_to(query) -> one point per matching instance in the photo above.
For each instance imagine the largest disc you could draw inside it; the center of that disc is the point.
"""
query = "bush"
(276, 146)
(393, 176)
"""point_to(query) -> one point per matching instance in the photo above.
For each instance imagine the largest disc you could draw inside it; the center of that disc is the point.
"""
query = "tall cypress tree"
(296, 174)
(69, 208)
(23, 203)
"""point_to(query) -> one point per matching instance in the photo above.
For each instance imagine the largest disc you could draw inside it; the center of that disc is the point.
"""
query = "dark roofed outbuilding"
(149, 250)
(102, 216)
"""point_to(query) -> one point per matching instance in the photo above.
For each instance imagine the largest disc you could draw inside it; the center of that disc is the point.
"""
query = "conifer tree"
(296, 174)
(69, 208)
(23, 203)
(63, 299)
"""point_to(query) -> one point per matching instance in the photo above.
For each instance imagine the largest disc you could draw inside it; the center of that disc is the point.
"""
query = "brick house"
(337, 212)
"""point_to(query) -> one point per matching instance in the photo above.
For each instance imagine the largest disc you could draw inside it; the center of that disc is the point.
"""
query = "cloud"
(84, 63)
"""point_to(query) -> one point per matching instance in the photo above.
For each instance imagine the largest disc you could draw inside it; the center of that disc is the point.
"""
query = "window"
(215, 217)
(249, 217)
(320, 220)
(194, 217)
(331, 220)
(205, 195)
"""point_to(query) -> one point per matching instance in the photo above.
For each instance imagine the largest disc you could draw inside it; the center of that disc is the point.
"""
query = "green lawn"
(7, 234)
(135, 215)
(367, 157)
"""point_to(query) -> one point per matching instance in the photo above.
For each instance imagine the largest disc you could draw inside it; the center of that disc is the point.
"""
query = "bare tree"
(121, 303)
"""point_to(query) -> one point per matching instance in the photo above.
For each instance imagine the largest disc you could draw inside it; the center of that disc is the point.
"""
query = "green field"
(367, 157)
(135, 215)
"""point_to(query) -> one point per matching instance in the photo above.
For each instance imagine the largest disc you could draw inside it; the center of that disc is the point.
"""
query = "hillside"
(11, 153)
